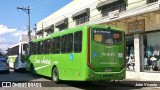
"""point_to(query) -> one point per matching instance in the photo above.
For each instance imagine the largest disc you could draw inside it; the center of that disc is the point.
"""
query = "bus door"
(106, 50)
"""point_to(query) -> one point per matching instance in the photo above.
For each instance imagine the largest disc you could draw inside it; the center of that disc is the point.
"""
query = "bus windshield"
(107, 36)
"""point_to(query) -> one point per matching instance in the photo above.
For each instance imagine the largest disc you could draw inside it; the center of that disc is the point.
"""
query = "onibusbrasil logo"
(21, 84)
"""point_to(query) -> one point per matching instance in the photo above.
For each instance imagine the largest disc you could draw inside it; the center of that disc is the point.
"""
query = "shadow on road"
(23, 77)
(100, 85)
(17, 76)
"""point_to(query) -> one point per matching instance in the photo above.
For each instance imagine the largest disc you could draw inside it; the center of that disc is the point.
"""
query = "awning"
(49, 29)
(39, 32)
(105, 3)
(87, 11)
(62, 22)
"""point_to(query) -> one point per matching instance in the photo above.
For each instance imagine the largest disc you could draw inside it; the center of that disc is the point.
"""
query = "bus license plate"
(108, 75)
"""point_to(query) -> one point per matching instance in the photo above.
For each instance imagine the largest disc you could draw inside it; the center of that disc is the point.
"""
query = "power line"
(27, 10)
(33, 3)
(22, 18)
(36, 5)
(7, 42)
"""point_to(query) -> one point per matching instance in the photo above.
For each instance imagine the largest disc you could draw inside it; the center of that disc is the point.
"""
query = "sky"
(14, 22)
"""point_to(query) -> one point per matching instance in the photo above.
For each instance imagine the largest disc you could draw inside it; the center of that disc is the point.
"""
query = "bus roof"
(70, 30)
(17, 44)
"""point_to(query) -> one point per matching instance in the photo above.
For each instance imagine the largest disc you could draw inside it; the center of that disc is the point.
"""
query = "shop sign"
(137, 26)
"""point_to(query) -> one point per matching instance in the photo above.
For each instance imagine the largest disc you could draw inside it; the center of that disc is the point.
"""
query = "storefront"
(142, 51)
(134, 30)
(130, 52)
(151, 42)
(142, 44)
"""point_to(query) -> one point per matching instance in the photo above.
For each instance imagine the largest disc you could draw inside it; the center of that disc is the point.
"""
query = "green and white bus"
(84, 53)
(17, 56)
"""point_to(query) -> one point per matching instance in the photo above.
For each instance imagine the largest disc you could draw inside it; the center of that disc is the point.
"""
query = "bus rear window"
(107, 36)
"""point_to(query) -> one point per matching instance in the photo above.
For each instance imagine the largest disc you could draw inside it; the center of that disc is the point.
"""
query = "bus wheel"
(55, 75)
(32, 71)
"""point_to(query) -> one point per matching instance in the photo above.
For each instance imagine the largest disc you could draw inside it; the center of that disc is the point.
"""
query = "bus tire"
(32, 71)
(55, 75)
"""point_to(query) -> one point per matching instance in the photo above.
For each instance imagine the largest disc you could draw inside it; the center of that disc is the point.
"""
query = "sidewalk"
(145, 84)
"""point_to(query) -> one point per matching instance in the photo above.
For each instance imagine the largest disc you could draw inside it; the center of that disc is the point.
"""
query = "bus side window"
(36, 47)
(16, 50)
(45, 46)
(39, 48)
(48, 45)
(63, 41)
(55, 46)
(31, 48)
(78, 41)
(57, 49)
(67, 43)
(70, 43)
(52, 45)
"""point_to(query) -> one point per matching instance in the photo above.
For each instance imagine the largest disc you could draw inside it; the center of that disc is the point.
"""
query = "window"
(116, 6)
(130, 59)
(39, 47)
(67, 43)
(78, 41)
(55, 45)
(63, 27)
(82, 19)
(32, 49)
(151, 42)
(49, 30)
(46, 46)
(15, 50)
(107, 36)
(63, 24)
(81, 16)
(151, 1)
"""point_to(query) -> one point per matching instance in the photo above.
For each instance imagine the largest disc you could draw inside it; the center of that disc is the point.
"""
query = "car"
(4, 66)
(1, 57)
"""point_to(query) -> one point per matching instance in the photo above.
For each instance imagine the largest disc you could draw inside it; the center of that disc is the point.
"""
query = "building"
(140, 19)
(24, 38)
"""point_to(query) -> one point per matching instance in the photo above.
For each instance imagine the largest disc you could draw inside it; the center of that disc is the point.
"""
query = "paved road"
(23, 76)
(99, 85)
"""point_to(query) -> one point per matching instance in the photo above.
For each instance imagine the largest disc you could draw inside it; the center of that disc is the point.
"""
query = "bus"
(17, 56)
(84, 53)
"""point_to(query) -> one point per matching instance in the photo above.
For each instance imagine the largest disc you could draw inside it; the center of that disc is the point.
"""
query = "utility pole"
(35, 29)
(27, 10)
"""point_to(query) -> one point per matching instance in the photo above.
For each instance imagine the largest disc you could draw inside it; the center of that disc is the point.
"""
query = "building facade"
(140, 19)
(24, 38)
